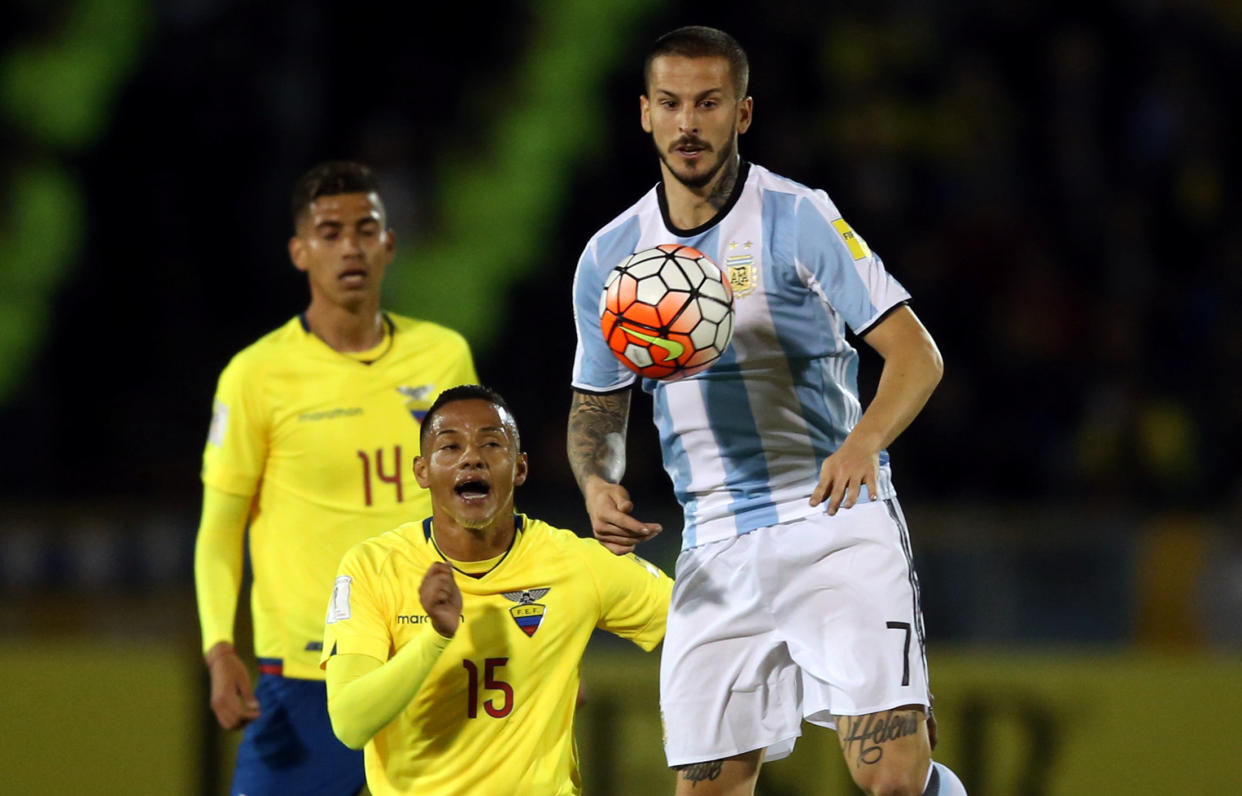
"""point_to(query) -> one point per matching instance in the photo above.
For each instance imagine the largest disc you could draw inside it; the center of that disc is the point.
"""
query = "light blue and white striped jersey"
(743, 441)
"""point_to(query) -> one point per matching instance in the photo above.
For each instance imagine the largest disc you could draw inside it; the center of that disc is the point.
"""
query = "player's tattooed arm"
(700, 772)
(596, 438)
(596, 445)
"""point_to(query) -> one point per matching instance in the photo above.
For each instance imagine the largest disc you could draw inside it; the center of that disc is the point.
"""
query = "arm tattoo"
(700, 772)
(596, 438)
(862, 737)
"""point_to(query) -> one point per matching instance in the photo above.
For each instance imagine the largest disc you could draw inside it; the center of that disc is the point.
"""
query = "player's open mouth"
(353, 276)
(473, 489)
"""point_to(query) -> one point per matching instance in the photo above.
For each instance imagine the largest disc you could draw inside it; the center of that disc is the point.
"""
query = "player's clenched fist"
(441, 598)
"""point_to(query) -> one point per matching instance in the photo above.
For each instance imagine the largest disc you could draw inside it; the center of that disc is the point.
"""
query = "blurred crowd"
(1055, 183)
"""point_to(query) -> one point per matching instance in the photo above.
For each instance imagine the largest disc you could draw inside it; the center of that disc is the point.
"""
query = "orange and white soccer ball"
(667, 312)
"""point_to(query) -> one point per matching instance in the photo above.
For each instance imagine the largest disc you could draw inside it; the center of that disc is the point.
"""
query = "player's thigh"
(732, 776)
(727, 683)
(291, 748)
(888, 751)
(845, 599)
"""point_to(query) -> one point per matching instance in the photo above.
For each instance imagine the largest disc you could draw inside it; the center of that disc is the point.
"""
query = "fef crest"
(417, 399)
(528, 614)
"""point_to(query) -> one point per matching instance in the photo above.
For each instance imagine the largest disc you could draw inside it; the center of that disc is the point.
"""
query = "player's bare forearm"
(596, 446)
(912, 369)
(596, 438)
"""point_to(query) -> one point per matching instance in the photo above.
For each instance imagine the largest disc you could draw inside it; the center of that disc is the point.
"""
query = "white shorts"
(807, 619)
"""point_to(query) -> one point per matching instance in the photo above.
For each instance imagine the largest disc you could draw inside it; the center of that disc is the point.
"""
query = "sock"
(941, 781)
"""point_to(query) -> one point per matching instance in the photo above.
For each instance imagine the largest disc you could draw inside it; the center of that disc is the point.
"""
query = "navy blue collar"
(517, 528)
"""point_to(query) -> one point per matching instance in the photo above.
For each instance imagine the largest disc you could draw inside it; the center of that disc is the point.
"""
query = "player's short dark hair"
(467, 392)
(699, 41)
(332, 178)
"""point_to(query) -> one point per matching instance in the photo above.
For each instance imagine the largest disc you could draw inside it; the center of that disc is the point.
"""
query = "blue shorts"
(290, 748)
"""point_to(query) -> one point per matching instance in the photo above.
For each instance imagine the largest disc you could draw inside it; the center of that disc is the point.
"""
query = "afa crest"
(743, 275)
(528, 614)
(417, 400)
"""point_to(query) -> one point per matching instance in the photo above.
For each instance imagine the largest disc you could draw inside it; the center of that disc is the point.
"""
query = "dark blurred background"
(1055, 183)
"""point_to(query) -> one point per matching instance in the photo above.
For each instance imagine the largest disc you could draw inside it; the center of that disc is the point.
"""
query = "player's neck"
(473, 544)
(690, 208)
(346, 329)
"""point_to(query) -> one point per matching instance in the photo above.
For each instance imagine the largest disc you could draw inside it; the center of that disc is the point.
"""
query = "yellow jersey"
(324, 442)
(495, 714)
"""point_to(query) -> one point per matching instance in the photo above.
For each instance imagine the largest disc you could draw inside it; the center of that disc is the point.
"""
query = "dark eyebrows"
(484, 430)
(332, 225)
(701, 96)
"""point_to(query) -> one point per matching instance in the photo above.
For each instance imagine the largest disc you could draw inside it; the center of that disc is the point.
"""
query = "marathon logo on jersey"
(741, 270)
(338, 606)
(853, 241)
(528, 614)
(418, 399)
(330, 414)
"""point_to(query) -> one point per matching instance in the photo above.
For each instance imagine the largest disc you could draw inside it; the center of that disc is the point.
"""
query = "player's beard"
(699, 180)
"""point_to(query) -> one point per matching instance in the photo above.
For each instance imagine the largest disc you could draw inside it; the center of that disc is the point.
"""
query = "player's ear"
(390, 242)
(745, 112)
(644, 111)
(420, 472)
(521, 470)
(297, 253)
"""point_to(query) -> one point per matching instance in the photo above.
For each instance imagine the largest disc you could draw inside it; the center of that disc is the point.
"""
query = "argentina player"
(795, 593)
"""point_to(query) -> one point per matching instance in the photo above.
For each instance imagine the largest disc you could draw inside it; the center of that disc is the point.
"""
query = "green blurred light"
(497, 209)
(60, 89)
(56, 94)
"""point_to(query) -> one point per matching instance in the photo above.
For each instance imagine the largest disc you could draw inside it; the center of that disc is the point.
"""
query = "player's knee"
(891, 781)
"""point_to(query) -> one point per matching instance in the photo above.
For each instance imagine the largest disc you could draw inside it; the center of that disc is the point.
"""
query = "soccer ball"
(667, 312)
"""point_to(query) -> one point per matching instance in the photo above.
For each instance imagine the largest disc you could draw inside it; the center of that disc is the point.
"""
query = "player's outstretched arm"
(912, 369)
(217, 580)
(596, 447)
(365, 693)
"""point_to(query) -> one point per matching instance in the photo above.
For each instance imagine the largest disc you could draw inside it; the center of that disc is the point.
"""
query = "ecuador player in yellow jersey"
(314, 431)
(453, 644)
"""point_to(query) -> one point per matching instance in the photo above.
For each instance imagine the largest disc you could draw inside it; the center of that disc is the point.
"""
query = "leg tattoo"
(700, 772)
(862, 738)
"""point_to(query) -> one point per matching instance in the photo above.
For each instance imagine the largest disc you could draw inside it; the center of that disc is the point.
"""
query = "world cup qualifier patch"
(527, 613)
(853, 241)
